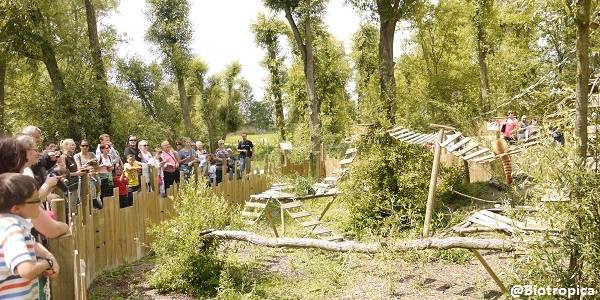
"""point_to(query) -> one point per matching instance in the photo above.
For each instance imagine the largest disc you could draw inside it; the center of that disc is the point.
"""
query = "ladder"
(305, 219)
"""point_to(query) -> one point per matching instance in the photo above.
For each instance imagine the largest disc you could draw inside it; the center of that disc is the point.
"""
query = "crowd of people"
(515, 130)
(30, 177)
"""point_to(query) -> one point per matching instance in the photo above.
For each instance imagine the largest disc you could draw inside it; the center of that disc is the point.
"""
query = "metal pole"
(433, 182)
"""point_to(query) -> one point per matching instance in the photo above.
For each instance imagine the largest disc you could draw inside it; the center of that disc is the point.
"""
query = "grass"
(253, 272)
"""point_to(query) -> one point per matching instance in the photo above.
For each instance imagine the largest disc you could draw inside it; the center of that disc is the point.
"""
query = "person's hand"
(51, 181)
(52, 273)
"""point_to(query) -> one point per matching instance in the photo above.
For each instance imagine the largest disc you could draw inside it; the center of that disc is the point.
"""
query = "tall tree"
(237, 89)
(170, 29)
(97, 63)
(267, 31)
(388, 12)
(582, 20)
(300, 16)
(366, 65)
(482, 16)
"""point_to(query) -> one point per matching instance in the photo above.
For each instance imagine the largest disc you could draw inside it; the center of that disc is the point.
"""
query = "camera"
(61, 184)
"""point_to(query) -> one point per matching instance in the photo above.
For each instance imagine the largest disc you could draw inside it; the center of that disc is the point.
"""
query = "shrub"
(184, 264)
(572, 257)
(388, 186)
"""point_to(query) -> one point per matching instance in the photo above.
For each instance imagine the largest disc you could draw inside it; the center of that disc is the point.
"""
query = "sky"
(221, 33)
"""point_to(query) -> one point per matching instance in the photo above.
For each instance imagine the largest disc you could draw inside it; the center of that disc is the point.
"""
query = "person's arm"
(47, 226)
(47, 186)
(32, 269)
(77, 158)
(41, 251)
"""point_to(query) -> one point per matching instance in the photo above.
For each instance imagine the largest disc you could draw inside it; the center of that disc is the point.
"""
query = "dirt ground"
(313, 274)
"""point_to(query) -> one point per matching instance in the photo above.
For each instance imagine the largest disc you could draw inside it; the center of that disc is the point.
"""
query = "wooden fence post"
(433, 182)
(63, 287)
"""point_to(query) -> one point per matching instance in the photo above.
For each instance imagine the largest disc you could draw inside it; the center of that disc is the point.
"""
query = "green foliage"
(387, 190)
(183, 263)
(365, 57)
(332, 72)
(571, 257)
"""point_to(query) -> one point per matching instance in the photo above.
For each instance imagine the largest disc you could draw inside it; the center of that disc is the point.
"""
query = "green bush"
(184, 264)
(572, 257)
(388, 186)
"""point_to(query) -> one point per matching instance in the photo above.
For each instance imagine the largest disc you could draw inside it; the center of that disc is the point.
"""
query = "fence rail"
(103, 239)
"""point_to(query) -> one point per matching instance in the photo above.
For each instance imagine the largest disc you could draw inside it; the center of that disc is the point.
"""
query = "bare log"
(353, 246)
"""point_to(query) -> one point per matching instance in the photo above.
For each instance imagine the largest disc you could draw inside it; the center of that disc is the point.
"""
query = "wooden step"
(351, 150)
(321, 230)
(466, 149)
(476, 153)
(289, 205)
(334, 238)
(298, 215)
(332, 179)
(458, 144)
(450, 139)
(410, 137)
(345, 161)
(248, 222)
(310, 223)
(489, 156)
(340, 171)
(251, 214)
(256, 204)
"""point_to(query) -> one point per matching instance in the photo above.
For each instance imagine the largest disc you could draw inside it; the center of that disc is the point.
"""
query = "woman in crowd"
(106, 167)
(68, 147)
(187, 157)
(201, 156)
(86, 163)
(13, 158)
(171, 164)
(132, 148)
(220, 160)
(147, 162)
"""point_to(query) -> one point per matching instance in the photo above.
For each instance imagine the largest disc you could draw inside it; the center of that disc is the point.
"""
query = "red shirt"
(122, 184)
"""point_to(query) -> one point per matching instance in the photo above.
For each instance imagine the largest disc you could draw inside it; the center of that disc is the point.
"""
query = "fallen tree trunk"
(352, 246)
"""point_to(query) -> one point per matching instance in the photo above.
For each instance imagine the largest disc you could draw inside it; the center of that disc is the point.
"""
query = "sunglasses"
(36, 201)
(84, 145)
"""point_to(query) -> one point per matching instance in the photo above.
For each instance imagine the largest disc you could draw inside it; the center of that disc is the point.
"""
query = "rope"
(474, 198)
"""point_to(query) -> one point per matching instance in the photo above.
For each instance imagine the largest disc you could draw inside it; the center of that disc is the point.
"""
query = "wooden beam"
(441, 126)
(433, 182)
(353, 246)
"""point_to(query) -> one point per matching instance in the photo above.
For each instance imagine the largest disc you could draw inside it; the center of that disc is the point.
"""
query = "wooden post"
(58, 207)
(63, 287)
(490, 271)
(84, 197)
(433, 182)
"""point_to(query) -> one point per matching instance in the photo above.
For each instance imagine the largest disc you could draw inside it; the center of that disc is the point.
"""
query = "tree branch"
(353, 246)
(295, 31)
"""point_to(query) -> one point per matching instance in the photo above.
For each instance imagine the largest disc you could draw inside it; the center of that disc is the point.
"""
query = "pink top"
(47, 226)
(170, 162)
(510, 126)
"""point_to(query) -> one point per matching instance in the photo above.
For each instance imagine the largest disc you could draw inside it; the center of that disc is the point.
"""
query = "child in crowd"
(131, 170)
(121, 183)
(211, 170)
(22, 259)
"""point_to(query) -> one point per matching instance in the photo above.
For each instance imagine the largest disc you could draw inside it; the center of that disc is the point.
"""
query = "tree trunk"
(185, 109)
(2, 82)
(483, 71)
(583, 74)
(306, 49)
(228, 109)
(97, 64)
(276, 90)
(387, 81)
(352, 246)
(313, 103)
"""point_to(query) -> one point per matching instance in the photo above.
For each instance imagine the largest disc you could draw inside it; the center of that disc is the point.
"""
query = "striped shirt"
(17, 247)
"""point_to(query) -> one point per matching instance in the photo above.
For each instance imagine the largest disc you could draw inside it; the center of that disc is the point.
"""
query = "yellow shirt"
(132, 172)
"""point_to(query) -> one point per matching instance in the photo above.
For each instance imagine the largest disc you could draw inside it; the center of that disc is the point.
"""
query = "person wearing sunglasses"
(88, 163)
(105, 141)
(132, 148)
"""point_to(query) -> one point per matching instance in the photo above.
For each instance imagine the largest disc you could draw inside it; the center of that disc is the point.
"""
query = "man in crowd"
(245, 147)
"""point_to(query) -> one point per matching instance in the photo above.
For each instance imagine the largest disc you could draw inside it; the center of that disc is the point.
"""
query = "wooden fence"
(103, 239)
(326, 167)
